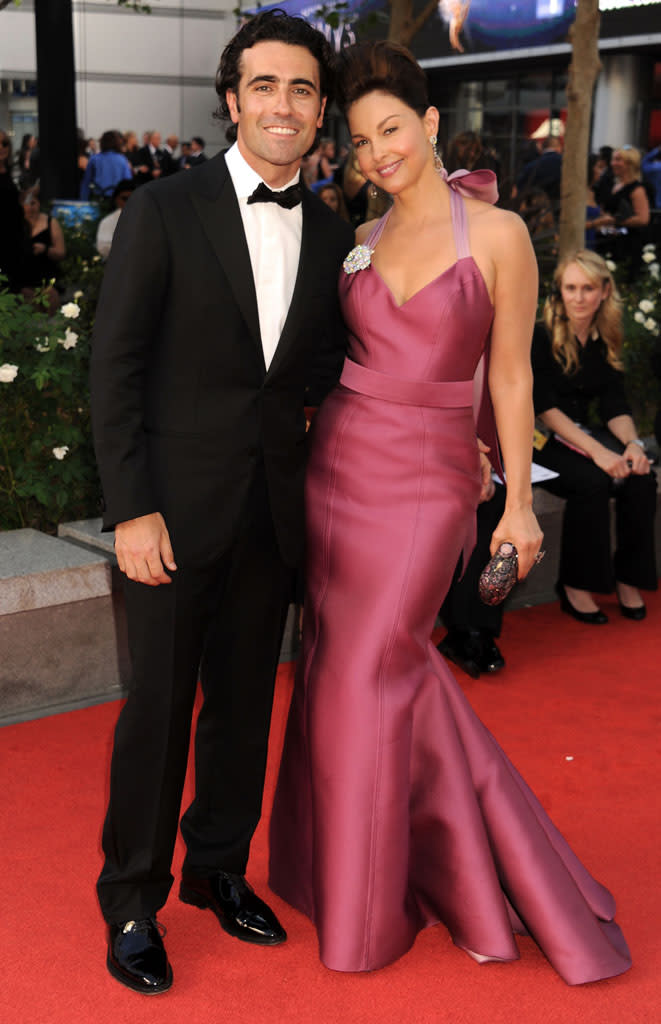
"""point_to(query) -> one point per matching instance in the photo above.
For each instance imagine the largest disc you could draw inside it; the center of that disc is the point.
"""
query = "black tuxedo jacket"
(145, 157)
(183, 408)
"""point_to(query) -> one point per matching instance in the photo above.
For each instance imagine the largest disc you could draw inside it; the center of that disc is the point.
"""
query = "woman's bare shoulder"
(365, 230)
(504, 227)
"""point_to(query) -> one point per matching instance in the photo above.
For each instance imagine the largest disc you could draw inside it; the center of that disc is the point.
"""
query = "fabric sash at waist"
(454, 394)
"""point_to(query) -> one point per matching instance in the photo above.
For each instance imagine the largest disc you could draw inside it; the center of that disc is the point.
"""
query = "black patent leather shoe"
(238, 908)
(137, 957)
(473, 650)
(597, 618)
(637, 614)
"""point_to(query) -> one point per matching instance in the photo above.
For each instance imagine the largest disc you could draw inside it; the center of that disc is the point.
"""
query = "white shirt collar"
(244, 178)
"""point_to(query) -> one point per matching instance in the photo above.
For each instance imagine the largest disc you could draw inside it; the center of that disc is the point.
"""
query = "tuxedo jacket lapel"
(218, 209)
(305, 279)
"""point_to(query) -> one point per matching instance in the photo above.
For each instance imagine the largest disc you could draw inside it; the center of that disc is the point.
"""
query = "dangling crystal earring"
(373, 191)
(438, 163)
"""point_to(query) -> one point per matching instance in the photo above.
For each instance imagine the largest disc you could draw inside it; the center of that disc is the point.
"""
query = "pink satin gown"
(395, 807)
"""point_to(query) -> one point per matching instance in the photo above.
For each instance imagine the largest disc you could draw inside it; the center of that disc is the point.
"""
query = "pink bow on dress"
(481, 184)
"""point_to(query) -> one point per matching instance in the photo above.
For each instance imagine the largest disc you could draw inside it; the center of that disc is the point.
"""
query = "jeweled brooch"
(360, 258)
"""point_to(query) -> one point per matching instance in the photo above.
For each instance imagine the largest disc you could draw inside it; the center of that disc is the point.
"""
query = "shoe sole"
(135, 986)
(195, 899)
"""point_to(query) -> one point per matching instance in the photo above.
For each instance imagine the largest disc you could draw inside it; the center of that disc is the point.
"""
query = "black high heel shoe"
(597, 618)
(637, 614)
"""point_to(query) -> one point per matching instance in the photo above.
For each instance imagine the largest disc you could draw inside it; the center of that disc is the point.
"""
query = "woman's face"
(329, 197)
(391, 140)
(618, 164)
(581, 295)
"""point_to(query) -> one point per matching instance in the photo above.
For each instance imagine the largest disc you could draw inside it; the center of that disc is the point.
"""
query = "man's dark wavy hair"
(272, 26)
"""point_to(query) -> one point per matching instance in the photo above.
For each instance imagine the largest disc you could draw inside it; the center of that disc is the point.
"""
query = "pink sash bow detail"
(481, 184)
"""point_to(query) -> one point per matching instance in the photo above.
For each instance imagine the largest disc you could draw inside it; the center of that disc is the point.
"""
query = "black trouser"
(585, 553)
(227, 620)
(462, 608)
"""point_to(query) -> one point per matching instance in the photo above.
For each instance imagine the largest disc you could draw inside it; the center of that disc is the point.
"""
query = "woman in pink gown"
(395, 807)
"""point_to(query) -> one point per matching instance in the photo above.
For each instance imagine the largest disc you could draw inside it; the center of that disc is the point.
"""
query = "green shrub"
(47, 467)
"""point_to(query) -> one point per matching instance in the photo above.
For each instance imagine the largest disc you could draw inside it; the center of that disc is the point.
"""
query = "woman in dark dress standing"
(47, 247)
(576, 362)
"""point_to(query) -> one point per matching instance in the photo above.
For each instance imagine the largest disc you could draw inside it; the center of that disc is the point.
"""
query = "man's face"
(156, 139)
(278, 108)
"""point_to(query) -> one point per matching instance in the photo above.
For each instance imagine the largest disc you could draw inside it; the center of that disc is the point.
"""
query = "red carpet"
(569, 691)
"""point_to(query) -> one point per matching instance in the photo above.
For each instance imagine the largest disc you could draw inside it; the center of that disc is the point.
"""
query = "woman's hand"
(38, 248)
(636, 459)
(520, 527)
(488, 486)
(615, 465)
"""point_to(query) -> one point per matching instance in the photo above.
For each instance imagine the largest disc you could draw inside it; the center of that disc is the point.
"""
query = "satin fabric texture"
(395, 807)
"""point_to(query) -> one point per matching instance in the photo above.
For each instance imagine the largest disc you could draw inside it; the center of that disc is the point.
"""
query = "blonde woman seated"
(576, 363)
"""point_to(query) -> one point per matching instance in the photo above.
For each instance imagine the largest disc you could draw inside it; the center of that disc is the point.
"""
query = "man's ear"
(320, 119)
(232, 105)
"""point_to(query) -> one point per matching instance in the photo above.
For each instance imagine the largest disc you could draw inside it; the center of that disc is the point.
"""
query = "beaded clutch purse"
(499, 575)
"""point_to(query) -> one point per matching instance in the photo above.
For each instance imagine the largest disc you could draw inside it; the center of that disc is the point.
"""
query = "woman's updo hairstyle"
(383, 67)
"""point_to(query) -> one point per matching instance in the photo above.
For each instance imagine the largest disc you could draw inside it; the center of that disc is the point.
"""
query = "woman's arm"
(562, 425)
(57, 250)
(641, 210)
(510, 382)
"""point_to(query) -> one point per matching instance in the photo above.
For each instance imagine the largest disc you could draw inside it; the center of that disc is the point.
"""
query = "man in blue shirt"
(651, 168)
(105, 169)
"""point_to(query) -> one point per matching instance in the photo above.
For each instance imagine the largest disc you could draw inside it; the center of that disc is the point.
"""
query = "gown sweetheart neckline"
(434, 280)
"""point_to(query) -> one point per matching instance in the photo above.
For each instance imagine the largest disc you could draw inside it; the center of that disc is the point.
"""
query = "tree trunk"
(58, 138)
(583, 71)
(403, 25)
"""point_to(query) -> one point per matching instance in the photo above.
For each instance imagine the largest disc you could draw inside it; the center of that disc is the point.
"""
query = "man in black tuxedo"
(197, 155)
(220, 297)
(149, 159)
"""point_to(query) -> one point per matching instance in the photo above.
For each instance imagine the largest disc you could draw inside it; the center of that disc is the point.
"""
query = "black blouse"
(593, 378)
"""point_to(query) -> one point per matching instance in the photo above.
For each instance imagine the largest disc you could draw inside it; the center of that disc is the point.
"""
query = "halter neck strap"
(459, 225)
(377, 230)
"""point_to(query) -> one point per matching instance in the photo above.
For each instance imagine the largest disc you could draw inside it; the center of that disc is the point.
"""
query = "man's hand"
(143, 549)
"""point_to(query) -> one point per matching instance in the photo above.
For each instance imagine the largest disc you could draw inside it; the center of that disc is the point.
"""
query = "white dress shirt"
(273, 235)
(105, 232)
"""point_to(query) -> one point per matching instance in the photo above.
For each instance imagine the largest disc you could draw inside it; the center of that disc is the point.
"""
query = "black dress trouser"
(462, 608)
(225, 620)
(585, 552)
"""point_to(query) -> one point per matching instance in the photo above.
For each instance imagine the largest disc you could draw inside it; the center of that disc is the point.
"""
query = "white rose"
(70, 339)
(60, 453)
(77, 295)
(42, 348)
(71, 310)
(8, 373)
(650, 247)
(646, 305)
(649, 257)
(611, 266)
(650, 324)
(639, 317)
(654, 269)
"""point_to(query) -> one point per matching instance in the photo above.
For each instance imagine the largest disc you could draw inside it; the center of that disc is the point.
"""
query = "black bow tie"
(288, 198)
